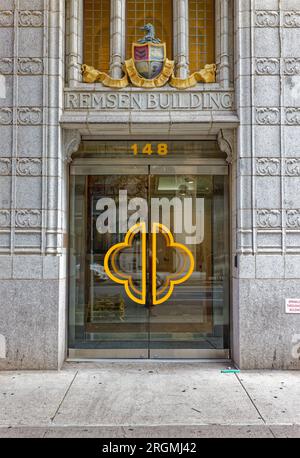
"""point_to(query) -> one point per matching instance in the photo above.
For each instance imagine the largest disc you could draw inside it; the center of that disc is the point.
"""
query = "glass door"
(149, 264)
(193, 321)
(107, 320)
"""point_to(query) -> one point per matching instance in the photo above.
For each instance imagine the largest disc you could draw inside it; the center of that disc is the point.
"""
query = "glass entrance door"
(193, 321)
(149, 267)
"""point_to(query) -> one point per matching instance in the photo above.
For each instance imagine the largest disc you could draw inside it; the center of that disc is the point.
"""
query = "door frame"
(136, 166)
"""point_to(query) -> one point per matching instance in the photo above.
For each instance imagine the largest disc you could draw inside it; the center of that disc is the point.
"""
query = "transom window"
(201, 33)
(156, 12)
(200, 28)
(97, 34)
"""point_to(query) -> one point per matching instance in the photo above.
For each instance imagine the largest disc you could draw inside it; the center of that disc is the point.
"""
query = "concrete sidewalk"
(149, 399)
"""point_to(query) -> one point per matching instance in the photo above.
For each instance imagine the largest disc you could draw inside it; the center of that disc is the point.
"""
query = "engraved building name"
(216, 100)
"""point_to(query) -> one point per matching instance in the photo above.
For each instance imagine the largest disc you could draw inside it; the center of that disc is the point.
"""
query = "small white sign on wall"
(292, 305)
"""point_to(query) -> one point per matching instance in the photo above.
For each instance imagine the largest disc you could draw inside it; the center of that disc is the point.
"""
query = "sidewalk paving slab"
(276, 394)
(167, 432)
(149, 399)
(286, 431)
(158, 432)
(156, 394)
(31, 398)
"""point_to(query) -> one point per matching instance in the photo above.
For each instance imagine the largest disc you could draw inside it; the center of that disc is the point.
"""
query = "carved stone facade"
(32, 176)
(253, 110)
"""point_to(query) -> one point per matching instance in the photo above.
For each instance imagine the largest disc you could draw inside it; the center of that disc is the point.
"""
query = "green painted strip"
(231, 371)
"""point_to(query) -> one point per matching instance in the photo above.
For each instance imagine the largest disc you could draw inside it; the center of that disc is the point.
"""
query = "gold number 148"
(161, 149)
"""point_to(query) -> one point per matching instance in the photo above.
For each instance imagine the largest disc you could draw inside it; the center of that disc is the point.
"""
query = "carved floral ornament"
(271, 219)
(267, 115)
(30, 66)
(272, 167)
(4, 218)
(271, 66)
(270, 116)
(293, 116)
(6, 65)
(24, 219)
(226, 142)
(292, 66)
(31, 18)
(25, 115)
(24, 166)
(267, 66)
(26, 18)
(29, 116)
(72, 139)
(29, 167)
(268, 166)
(293, 219)
(6, 116)
(5, 166)
(6, 18)
(149, 68)
(26, 66)
(268, 219)
(28, 218)
(292, 19)
(267, 18)
(293, 167)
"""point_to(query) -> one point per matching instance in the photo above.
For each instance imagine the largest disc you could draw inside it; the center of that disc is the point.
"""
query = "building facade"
(150, 181)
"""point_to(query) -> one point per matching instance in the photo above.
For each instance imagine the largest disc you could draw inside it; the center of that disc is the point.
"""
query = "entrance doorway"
(149, 260)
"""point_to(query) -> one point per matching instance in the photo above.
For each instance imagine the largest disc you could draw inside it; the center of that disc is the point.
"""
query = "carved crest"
(149, 67)
(149, 59)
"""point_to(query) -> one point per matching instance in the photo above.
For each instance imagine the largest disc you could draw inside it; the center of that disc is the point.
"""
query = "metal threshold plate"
(148, 354)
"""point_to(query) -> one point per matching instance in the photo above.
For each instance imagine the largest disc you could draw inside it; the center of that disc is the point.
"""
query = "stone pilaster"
(117, 32)
(74, 41)
(267, 268)
(224, 57)
(181, 41)
(32, 181)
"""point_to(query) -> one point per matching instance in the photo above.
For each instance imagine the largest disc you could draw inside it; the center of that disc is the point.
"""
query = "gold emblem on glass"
(117, 276)
(188, 264)
(159, 295)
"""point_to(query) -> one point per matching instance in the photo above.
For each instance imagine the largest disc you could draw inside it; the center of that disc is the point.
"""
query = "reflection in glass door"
(149, 263)
(103, 316)
(195, 317)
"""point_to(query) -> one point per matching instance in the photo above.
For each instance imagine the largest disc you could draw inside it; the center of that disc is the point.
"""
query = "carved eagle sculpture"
(150, 35)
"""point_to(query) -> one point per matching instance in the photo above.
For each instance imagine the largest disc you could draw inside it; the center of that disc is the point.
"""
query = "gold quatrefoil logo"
(163, 293)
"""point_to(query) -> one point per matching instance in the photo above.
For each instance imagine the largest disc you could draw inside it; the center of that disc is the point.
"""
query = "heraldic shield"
(149, 59)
